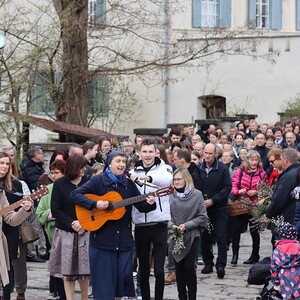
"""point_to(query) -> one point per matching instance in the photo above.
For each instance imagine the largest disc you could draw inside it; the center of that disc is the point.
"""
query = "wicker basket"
(238, 207)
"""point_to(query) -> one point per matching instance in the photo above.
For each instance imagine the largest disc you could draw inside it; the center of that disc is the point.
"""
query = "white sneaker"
(90, 292)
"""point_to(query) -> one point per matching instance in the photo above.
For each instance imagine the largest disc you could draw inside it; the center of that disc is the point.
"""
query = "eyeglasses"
(177, 179)
(272, 161)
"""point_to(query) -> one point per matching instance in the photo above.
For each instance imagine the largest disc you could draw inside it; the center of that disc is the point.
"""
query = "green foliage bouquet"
(176, 236)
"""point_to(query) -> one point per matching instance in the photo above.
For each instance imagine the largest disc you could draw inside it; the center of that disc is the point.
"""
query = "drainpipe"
(166, 61)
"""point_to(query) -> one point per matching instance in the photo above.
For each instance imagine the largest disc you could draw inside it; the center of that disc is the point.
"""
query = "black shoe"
(44, 256)
(207, 269)
(220, 271)
(253, 259)
(34, 258)
(234, 259)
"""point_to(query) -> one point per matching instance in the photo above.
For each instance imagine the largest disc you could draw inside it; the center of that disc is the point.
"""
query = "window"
(262, 14)
(265, 14)
(211, 13)
(98, 94)
(97, 12)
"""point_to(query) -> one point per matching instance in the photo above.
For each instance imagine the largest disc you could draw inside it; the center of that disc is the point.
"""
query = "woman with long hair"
(245, 182)
(188, 215)
(69, 252)
(13, 188)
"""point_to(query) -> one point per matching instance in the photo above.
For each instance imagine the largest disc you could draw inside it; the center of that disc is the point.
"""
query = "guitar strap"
(2, 188)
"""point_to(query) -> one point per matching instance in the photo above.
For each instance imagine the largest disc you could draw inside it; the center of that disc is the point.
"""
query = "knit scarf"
(113, 177)
(183, 194)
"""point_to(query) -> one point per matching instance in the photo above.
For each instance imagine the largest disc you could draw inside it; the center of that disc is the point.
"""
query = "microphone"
(138, 182)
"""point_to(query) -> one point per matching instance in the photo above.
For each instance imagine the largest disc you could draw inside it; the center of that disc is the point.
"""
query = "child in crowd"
(285, 263)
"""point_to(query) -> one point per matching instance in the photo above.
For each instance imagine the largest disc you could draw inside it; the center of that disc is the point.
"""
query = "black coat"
(216, 184)
(263, 152)
(114, 234)
(282, 202)
(31, 172)
(196, 176)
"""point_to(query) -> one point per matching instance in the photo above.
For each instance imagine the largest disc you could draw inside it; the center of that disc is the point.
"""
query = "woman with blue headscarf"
(111, 245)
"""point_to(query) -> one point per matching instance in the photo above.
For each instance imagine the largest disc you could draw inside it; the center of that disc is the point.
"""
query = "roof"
(61, 127)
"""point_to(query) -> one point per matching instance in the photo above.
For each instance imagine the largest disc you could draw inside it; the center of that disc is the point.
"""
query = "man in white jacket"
(151, 173)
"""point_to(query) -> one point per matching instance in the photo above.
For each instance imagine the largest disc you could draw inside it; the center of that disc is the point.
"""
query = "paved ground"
(233, 286)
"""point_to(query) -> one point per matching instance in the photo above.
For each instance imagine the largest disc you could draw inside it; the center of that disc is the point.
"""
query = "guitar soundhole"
(110, 207)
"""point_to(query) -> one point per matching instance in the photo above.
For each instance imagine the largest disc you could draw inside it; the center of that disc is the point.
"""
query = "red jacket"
(247, 180)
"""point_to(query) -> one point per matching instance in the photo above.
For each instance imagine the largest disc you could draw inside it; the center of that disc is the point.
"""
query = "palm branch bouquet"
(264, 195)
(263, 222)
(176, 236)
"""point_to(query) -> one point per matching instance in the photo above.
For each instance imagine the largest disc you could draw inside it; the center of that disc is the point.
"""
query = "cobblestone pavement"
(210, 287)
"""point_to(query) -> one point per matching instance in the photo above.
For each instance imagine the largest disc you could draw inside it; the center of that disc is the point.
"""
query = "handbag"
(29, 233)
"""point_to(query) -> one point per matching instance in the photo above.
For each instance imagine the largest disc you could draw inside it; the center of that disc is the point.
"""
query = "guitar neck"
(11, 207)
(130, 201)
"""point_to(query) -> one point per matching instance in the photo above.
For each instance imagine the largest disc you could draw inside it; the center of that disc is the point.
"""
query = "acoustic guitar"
(43, 190)
(92, 220)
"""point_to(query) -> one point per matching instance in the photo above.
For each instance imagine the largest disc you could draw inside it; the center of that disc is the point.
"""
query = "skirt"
(69, 256)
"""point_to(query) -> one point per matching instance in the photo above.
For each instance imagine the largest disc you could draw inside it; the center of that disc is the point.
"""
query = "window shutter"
(224, 13)
(196, 13)
(101, 12)
(276, 14)
(298, 14)
(252, 14)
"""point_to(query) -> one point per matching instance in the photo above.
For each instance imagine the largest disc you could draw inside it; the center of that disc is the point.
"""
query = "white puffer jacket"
(161, 175)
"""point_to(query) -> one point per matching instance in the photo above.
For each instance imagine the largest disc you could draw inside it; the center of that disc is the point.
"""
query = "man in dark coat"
(183, 159)
(216, 189)
(32, 167)
(282, 203)
(31, 170)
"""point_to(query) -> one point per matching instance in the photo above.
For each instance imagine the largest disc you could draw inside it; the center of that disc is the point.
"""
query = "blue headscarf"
(113, 177)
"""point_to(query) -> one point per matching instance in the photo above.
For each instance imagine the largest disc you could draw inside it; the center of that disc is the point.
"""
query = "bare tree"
(132, 39)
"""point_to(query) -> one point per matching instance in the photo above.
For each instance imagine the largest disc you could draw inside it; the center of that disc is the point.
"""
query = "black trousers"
(238, 227)
(186, 277)
(157, 235)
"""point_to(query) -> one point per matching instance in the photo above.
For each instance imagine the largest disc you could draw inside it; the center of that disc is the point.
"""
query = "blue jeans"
(218, 217)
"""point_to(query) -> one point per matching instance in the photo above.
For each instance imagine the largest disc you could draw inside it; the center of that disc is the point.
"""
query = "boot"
(234, 260)
(171, 278)
(20, 296)
(253, 259)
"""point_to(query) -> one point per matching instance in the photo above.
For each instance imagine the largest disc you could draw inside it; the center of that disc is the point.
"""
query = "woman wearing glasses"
(188, 214)
(45, 217)
(274, 157)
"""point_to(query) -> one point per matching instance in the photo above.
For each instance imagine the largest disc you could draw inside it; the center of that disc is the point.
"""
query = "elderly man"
(216, 188)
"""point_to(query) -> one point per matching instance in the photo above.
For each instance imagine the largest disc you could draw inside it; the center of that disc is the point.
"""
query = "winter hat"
(287, 231)
(112, 154)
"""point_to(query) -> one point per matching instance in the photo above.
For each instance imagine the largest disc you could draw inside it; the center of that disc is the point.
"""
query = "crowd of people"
(113, 209)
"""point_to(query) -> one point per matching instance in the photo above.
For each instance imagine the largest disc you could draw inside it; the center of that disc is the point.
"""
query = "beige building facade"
(242, 55)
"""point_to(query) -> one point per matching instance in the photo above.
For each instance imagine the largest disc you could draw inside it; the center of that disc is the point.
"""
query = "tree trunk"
(72, 107)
